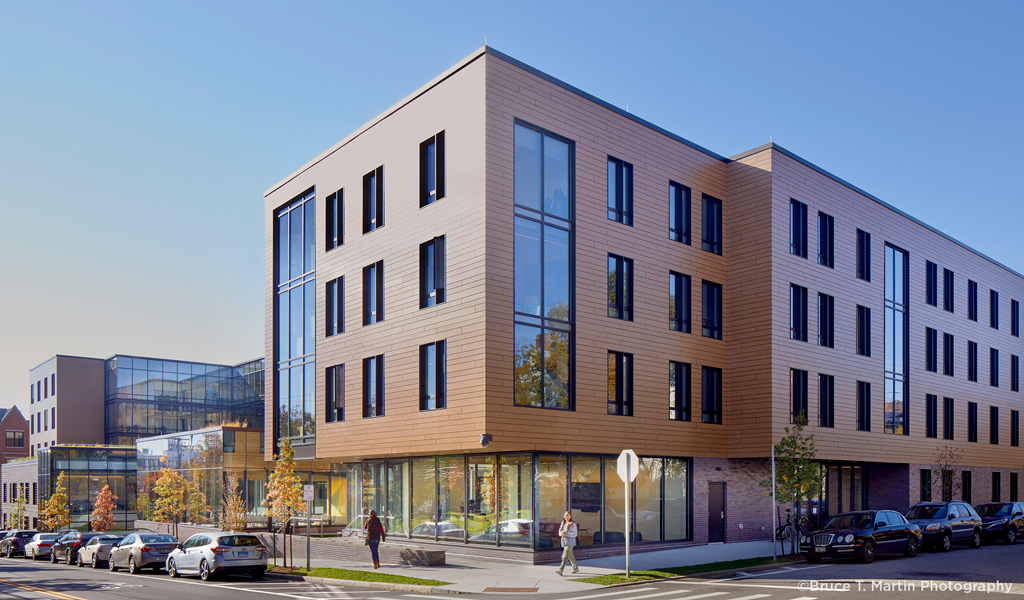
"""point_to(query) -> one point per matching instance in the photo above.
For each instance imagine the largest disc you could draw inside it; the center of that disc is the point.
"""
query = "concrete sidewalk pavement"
(474, 576)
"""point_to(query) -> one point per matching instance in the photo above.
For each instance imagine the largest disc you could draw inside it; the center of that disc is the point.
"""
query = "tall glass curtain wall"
(147, 397)
(86, 471)
(543, 269)
(199, 457)
(897, 327)
(518, 499)
(294, 395)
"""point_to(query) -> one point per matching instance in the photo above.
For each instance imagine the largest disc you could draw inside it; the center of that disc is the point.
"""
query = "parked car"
(863, 534)
(40, 545)
(947, 523)
(1001, 521)
(445, 529)
(13, 543)
(141, 550)
(67, 546)
(97, 550)
(211, 554)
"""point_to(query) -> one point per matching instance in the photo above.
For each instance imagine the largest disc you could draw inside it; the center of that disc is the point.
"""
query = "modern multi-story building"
(481, 296)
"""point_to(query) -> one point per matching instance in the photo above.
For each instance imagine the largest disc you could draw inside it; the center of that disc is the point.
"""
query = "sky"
(137, 138)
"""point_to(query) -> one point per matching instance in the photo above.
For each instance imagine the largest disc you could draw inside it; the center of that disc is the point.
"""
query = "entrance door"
(716, 512)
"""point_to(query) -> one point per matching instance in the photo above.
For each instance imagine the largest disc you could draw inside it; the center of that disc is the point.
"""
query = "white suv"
(211, 554)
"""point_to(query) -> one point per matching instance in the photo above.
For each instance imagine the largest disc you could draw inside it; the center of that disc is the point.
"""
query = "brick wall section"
(746, 502)
(981, 483)
(891, 487)
(14, 421)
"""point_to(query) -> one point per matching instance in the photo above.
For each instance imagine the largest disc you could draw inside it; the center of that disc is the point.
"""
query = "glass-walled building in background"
(146, 397)
(86, 470)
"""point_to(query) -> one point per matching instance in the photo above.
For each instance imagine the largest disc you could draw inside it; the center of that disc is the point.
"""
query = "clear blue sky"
(137, 138)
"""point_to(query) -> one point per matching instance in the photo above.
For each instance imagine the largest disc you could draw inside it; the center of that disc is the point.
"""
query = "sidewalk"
(476, 576)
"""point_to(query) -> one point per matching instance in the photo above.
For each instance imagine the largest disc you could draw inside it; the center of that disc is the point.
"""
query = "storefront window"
(373, 488)
(677, 501)
(481, 522)
(585, 496)
(516, 500)
(614, 507)
(451, 496)
(398, 498)
(551, 497)
(423, 490)
(648, 500)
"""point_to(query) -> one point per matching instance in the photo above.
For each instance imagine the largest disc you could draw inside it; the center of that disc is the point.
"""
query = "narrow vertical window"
(1014, 318)
(947, 418)
(972, 361)
(993, 425)
(679, 387)
(679, 302)
(997, 491)
(712, 316)
(620, 191)
(711, 395)
(931, 416)
(926, 485)
(826, 320)
(373, 200)
(897, 334)
(826, 401)
(993, 367)
(931, 283)
(620, 287)
(797, 228)
(1013, 487)
(863, 255)
(863, 406)
(798, 396)
(712, 211)
(797, 312)
(947, 354)
(993, 309)
(335, 220)
(432, 272)
(620, 383)
(826, 240)
(863, 331)
(972, 300)
(947, 290)
(1015, 428)
(373, 293)
(972, 421)
(334, 396)
(432, 169)
(678, 213)
(965, 487)
(1014, 373)
(432, 376)
(335, 310)
(373, 386)
(931, 350)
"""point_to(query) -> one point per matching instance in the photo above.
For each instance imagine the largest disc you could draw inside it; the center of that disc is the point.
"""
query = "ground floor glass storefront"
(87, 470)
(518, 500)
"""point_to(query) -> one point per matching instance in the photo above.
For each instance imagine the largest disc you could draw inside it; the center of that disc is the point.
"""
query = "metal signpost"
(774, 555)
(307, 495)
(627, 466)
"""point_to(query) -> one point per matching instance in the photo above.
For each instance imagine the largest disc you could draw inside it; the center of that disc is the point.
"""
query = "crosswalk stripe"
(751, 597)
(607, 594)
(708, 595)
(805, 598)
(659, 594)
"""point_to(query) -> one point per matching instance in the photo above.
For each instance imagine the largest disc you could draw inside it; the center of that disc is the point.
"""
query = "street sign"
(628, 466)
(307, 492)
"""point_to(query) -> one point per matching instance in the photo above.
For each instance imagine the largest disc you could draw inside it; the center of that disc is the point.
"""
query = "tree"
(17, 515)
(234, 504)
(284, 488)
(947, 464)
(103, 514)
(171, 489)
(56, 514)
(797, 475)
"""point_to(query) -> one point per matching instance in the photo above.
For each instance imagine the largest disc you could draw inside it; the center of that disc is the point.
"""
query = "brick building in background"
(481, 296)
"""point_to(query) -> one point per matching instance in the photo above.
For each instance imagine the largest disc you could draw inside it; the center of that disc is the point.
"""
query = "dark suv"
(863, 534)
(14, 542)
(1001, 521)
(67, 546)
(947, 523)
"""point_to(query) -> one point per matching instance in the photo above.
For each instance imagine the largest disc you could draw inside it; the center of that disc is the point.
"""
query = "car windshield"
(158, 539)
(849, 521)
(239, 540)
(107, 539)
(48, 537)
(994, 510)
(24, 535)
(927, 512)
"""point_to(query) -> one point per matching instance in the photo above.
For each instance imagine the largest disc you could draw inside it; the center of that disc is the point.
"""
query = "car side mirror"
(180, 546)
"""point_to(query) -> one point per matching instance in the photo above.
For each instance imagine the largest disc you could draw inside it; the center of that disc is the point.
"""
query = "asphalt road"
(889, 577)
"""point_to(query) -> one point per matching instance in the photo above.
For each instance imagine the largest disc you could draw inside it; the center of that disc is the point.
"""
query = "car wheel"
(95, 561)
(10, 551)
(867, 552)
(78, 561)
(110, 563)
(53, 556)
(813, 558)
(67, 557)
(976, 540)
(34, 557)
(911, 550)
(947, 542)
(132, 567)
(204, 570)
(172, 570)
(1011, 536)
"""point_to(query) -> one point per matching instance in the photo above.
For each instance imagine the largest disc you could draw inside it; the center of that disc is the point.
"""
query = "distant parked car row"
(206, 555)
(866, 533)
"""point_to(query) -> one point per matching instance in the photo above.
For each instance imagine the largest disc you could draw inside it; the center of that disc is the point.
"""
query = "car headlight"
(931, 527)
(849, 538)
(998, 522)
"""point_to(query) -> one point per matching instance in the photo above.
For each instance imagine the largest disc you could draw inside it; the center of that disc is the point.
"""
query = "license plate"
(243, 554)
(819, 548)
(164, 550)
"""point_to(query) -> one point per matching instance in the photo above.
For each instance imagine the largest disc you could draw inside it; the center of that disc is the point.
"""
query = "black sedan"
(1001, 521)
(947, 523)
(14, 542)
(863, 534)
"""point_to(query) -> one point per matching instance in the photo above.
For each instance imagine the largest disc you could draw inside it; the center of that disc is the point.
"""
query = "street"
(888, 577)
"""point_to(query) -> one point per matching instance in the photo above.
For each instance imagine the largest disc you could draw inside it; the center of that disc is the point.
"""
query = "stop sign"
(628, 466)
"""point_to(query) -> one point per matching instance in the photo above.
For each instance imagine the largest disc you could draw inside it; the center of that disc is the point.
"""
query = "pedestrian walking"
(375, 534)
(568, 532)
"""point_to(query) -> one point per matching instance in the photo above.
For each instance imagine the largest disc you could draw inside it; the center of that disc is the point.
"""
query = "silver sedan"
(40, 545)
(141, 550)
(97, 550)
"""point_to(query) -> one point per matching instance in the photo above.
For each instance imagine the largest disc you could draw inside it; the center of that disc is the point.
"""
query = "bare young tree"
(946, 479)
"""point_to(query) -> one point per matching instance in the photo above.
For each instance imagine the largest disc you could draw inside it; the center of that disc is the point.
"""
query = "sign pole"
(626, 484)
(627, 467)
(307, 495)
(774, 556)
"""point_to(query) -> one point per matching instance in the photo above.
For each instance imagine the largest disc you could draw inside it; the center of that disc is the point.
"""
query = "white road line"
(709, 595)
(418, 596)
(607, 594)
(787, 570)
(650, 595)
(740, 585)
(751, 597)
(805, 598)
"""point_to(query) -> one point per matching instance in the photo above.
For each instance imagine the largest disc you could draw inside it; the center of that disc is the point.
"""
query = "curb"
(380, 585)
(709, 573)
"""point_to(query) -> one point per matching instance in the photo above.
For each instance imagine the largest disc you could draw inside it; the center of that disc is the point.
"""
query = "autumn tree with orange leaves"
(103, 514)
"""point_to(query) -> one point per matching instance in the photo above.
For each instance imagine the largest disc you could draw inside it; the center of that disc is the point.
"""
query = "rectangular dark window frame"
(679, 285)
(375, 363)
(620, 400)
(993, 309)
(712, 224)
(620, 201)
(863, 406)
(947, 354)
(798, 396)
(826, 240)
(679, 405)
(679, 213)
(373, 193)
(863, 255)
(948, 290)
(948, 430)
(826, 320)
(711, 395)
(427, 195)
(972, 300)
(797, 312)
(335, 223)
(931, 417)
(993, 367)
(334, 393)
(972, 421)
(440, 371)
(620, 292)
(993, 425)
(931, 350)
(432, 253)
(711, 326)
(373, 275)
(797, 228)
(863, 330)
(931, 283)
(335, 307)
(826, 400)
